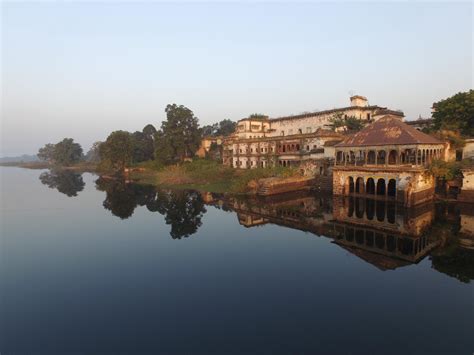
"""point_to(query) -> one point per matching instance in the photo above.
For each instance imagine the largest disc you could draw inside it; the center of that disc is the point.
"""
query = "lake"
(96, 266)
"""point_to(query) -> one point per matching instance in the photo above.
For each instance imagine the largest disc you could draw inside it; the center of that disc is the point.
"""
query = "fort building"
(288, 141)
(387, 159)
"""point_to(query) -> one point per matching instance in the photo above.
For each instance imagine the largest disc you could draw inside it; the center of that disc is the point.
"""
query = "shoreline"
(200, 175)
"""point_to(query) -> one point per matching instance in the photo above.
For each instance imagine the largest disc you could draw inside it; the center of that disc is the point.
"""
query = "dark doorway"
(370, 188)
(381, 187)
(392, 188)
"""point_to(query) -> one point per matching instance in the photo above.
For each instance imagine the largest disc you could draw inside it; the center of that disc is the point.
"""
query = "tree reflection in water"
(65, 181)
(182, 209)
(360, 226)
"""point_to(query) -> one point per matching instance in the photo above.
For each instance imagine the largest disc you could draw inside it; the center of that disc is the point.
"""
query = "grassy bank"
(200, 174)
(205, 175)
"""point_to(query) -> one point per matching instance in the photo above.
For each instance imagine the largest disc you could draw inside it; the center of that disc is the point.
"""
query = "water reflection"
(183, 210)
(382, 233)
(65, 181)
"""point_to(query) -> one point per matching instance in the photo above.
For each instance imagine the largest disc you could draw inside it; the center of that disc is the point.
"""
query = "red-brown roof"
(388, 130)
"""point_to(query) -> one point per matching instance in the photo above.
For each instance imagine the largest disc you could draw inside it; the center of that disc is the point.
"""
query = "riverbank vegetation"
(162, 157)
(205, 174)
(166, 156)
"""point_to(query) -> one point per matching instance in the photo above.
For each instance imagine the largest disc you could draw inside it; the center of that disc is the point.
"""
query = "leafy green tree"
(179, 136)
(350, 123)
(222, 128)
(46, 153)
(67, 152)
(210, 130)
(455, 113)
(117, 149)
(226, 127)
(258, 116)
(149, 131)
(143, 147)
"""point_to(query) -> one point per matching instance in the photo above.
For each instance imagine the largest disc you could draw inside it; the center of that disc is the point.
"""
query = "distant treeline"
(178, 139)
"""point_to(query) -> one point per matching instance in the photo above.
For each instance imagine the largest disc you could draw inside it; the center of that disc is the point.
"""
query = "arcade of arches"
(370, 186)
(416, 155)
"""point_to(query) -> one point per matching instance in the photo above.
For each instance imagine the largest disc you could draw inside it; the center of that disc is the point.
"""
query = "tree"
(179, 136)
(117, 149)
(223, 128)
(210, 130)
(350, 123)
(258, 116)
(143, 147)
(149, 131)
(93, 155)
(67, 152)
(455, 113)
(226, 127)
(46, 153)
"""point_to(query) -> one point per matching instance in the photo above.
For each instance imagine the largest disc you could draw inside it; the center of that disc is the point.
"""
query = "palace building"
(387, 159)
(288, 141)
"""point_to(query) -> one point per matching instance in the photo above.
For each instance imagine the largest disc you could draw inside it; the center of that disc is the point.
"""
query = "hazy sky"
(84, 69)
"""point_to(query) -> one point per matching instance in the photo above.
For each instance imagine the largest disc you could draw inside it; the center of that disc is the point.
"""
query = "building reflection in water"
(380, 232)
(390, 233)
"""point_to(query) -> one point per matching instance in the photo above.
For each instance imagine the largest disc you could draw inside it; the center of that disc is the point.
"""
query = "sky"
(85, 69)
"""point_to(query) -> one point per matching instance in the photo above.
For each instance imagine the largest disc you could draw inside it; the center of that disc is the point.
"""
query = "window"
(368, 117)
(307, 147)
(251, 150)
(240, 150)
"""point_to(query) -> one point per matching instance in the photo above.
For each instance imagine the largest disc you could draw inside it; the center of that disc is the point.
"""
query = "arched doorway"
(392, 157)
(359, 188)
(392, 188)
(371, 157)
(370, 186)
(381, 187)
(381, 157)
(349, 185)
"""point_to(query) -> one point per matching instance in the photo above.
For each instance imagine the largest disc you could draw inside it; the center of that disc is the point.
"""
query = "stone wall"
(412, 186)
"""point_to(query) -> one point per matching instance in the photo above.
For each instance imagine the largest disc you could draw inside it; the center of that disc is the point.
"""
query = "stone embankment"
(274, 185)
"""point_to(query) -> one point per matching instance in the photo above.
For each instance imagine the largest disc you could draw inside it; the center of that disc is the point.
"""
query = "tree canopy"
(117, 149)
(350, 123)
(179, 136)
(455, 113)
(63, 153)
(222, 128)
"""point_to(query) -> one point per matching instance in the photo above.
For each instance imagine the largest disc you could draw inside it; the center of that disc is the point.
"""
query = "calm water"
(100, 267)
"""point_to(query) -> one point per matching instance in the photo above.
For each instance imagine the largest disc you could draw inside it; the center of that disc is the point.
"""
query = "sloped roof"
(388, 130)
